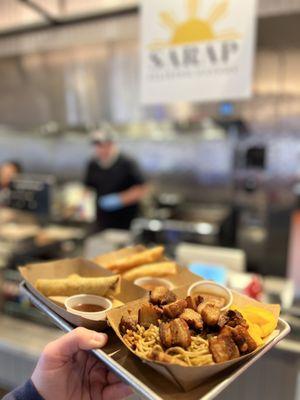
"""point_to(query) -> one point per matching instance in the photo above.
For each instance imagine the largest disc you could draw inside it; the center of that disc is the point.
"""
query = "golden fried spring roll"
(73, 276)
(156, 270)
(145, 257)
(101, 286)
(107, 260)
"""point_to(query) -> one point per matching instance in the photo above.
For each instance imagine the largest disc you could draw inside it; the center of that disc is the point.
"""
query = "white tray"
(141, 386)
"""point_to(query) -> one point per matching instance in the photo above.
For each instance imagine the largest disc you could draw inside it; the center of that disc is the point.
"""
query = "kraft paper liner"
(189, 378)
(62, 269)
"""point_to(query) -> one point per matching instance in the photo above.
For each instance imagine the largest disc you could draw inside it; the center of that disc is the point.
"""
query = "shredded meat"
(243, 340)
(127, 323)
(210, 314)
(149, 314)
(175, 333)
(223, 348)
(161, 296)
(174, 309)
(193, 319)
(194, 301)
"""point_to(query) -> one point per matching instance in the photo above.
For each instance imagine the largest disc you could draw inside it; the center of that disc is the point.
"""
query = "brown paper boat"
(62, 269)
(189, 378)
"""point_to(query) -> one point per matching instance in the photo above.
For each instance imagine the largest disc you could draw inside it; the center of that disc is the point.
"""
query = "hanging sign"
(197, 50)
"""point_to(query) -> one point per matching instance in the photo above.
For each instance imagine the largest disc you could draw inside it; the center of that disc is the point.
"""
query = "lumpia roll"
(144, 257)
(101, 286)
(156, 270)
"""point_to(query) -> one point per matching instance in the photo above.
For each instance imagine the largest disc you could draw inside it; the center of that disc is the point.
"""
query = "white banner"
(197, 50)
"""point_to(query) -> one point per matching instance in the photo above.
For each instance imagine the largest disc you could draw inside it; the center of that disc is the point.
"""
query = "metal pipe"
(40, 10)
(68, 22)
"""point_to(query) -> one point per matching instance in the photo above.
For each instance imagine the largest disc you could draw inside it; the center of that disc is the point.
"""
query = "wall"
(90, 73)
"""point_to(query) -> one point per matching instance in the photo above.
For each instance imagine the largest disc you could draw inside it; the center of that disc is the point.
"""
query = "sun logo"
(196, 29)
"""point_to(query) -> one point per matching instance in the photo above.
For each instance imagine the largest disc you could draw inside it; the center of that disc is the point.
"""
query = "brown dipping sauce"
(218, 301)
(89, 308)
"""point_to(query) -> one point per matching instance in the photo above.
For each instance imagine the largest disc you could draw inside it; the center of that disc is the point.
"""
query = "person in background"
(67, 371)
(118, 183)
(8, 171)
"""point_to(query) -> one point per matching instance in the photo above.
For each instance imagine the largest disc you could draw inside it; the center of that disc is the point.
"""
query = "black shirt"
(25, 392)
(122, 175)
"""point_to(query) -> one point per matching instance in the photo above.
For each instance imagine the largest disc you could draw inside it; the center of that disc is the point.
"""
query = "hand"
(111, 202)
(66, 371)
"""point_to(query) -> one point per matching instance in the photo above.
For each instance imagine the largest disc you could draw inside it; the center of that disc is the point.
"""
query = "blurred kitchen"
(224, 176)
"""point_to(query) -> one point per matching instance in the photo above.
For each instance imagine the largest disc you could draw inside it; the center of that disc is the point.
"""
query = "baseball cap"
(102, 136)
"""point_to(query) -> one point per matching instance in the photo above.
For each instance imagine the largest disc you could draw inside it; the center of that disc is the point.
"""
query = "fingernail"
(99, 339)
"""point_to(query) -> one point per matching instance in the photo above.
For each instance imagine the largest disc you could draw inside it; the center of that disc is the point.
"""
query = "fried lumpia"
(108, 260)
(157, 270)
(144, 257)
(101, 286)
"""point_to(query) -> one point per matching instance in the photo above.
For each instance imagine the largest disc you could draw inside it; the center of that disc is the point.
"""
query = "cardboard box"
(62, 269)
(189, 378)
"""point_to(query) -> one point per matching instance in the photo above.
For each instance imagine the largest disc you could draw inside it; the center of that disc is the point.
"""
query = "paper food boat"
(62, 269)
(189, 378)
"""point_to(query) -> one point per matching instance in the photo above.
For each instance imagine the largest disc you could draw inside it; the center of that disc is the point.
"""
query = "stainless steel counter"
(21, 343)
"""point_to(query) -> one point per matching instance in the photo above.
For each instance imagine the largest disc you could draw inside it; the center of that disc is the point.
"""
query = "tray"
(141, 377)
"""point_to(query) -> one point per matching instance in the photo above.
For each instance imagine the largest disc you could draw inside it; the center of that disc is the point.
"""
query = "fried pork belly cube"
(223, 348)
(223, 320)
(161, 296)
(210, 314)
(165, 334)
(173, 310)
(243, 340)
(149, 315)
(181, 335)
(127, 323)
(160, 356)
(226, 331)
(235, 318)
(175, 333)
(194, 301)
(193, 319)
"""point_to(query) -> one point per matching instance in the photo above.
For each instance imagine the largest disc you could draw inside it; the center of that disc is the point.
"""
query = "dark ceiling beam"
(68, 22)
(39, 10)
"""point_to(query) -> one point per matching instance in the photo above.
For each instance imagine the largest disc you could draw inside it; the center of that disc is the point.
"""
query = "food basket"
(149, 383)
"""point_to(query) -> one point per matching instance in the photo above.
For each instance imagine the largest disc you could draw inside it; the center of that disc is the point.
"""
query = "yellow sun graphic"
(195, 29)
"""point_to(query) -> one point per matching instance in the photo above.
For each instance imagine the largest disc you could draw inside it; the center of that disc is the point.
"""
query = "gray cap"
(102, 136)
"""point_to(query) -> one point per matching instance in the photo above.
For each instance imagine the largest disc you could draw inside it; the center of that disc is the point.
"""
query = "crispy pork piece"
(165, 334)
(157, 355)
(210, 314)
(161, 296)
(223, 348)
(235, 318)
(180, 333)
(175, 333)
(149, 314)
(127, 323)
(226, 331)
(243, 340)
(193, 319)
(223, 320)
(194, 301)
(173, 310)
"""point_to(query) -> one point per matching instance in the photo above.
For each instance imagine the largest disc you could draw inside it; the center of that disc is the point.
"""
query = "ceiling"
(19, 14)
